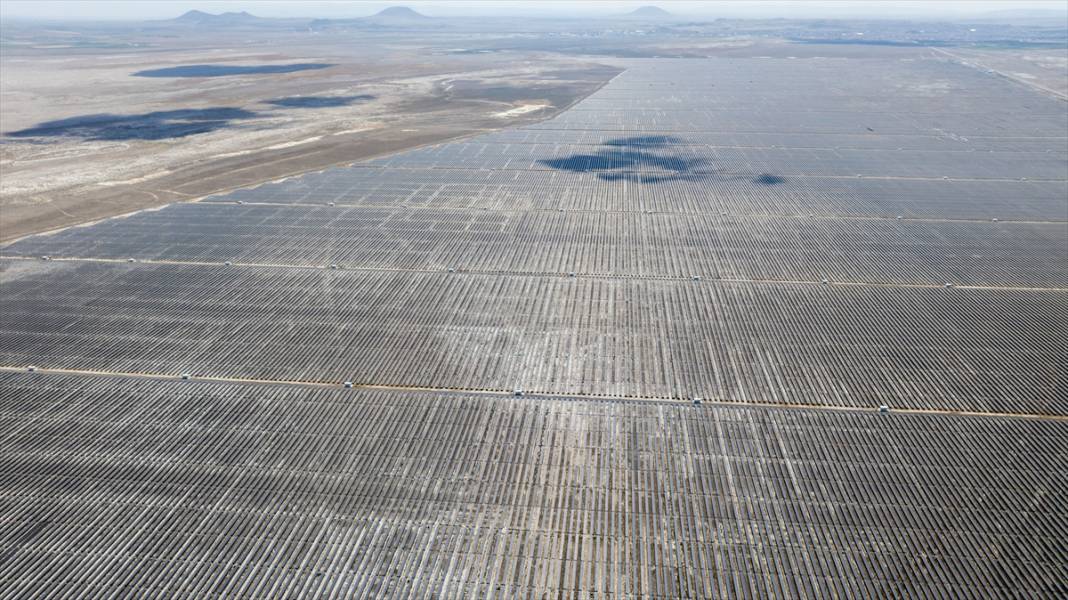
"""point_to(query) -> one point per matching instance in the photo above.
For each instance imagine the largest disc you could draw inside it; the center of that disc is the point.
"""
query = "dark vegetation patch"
(227, 70)
(157, 125)
(319, 101)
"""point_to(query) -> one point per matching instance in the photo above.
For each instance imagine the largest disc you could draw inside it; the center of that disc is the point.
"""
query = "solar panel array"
(227, 490)
(527, 317)
(620, 244)
(769, 342)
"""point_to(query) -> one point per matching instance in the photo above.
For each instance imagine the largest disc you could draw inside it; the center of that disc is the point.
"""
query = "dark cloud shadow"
(158, 125)
(319, 101)
(649, 160)
(227, 70)
(769, 179)
(616, 165)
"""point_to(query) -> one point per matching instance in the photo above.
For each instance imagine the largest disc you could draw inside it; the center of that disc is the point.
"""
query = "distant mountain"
(649, 12)
(399, 13)
(197, 17)
(394, 17)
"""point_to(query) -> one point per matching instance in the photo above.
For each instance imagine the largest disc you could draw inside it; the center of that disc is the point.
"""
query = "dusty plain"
(84, 138)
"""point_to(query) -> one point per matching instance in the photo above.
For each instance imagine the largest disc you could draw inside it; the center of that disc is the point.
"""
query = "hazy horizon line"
(69, 11)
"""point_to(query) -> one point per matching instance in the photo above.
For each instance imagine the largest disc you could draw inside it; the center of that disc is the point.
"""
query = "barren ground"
(86, 135)
(85, 138)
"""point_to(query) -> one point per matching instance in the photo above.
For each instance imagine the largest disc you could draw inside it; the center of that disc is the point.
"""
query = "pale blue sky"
(163, 9)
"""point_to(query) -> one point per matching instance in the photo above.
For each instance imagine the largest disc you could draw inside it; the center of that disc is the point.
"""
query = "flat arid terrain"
(87, 134)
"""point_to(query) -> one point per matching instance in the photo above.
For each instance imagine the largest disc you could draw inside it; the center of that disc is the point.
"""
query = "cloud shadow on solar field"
(228, 70)
(166, 124)
(769, 179)
(646, 159)
(319, 101)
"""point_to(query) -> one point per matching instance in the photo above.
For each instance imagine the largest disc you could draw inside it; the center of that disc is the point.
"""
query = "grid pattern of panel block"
(799, 243)
(203, 490)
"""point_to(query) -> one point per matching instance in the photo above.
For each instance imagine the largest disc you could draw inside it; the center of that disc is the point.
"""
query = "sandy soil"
(84, 136)
(118, 145)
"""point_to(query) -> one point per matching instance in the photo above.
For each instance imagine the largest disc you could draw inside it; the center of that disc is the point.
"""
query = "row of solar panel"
(621, 244)
(734, 195)
(228, 490)
(927, 348)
